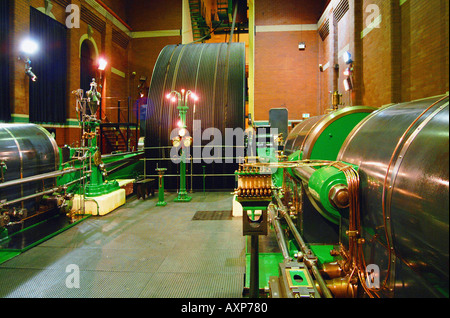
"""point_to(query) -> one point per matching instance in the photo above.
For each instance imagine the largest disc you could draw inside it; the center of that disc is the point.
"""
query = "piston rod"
(306, 251)
(37, 177)
(280, 237)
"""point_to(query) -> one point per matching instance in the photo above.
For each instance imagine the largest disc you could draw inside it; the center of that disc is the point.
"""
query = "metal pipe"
(37, 177)
(305, 249)
(233, 23)
(32, 196)
(297, 236)
(304, 172)
(278, 231)
(124, 160)
(35, 195)
(254, 266)
(197, 175)
(122, 154)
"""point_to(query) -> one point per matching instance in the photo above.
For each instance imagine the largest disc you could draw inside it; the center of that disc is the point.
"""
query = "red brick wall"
(155, 15)
(425, 48)
(406, 58)
(284, 75)
(119, 7)
(151, 16)
(277, 12)
(138, 56)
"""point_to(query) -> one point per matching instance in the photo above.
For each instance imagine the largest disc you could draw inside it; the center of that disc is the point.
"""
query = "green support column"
(161, 201)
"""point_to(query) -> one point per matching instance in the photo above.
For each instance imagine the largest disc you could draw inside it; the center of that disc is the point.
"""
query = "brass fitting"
(339, 196)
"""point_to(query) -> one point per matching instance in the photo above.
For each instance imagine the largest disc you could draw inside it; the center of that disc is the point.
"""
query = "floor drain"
(212, 215)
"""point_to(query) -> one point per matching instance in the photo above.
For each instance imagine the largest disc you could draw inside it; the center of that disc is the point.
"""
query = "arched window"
(87, 65)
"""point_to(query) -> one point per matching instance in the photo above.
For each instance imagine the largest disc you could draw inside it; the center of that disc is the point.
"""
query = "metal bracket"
(259, 226)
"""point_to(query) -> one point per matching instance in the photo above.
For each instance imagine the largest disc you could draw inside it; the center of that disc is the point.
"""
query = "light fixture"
(348, 84)
(28, 47)
(102, 64)
(348, 71)
(347, 56)
(176, 142)
(183, 107)
(302, 46)
(28, 71)
(187, 141)
(182, 132)
(31, 75)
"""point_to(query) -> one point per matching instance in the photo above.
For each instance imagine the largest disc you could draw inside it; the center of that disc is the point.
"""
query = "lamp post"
(182, 139)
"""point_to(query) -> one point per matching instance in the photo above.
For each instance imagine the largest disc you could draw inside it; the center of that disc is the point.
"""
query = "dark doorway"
(87, 66)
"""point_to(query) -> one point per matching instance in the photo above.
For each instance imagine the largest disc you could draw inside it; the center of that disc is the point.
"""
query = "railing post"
(128, 125)
(118, 112)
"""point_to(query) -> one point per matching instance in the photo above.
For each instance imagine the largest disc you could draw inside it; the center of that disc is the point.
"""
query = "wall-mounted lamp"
(102, 64)
(347, 56)
(28, 47)
(348, 71)
(28, 71)
(348, 85)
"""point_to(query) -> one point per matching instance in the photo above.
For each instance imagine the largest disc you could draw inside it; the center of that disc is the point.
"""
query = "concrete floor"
(137, 251)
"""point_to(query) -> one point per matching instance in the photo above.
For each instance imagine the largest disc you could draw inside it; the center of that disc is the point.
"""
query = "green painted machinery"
(311, 144)
(363, 203)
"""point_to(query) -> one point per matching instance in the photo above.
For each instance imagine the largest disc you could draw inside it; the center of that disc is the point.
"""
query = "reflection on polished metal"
(396, 187)
(27, 150)
(404, 203)
(219, 79)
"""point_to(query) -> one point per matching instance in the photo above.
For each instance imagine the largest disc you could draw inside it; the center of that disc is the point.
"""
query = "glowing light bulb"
(102, 64)
(29, 46)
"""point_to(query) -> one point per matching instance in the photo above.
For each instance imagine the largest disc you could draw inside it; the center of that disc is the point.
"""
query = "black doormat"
(212, 215)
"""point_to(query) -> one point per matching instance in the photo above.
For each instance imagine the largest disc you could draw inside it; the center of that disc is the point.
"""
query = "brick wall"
(151, 16)
(405, 57)
(284, 75)
(133, 55)
(424, 46)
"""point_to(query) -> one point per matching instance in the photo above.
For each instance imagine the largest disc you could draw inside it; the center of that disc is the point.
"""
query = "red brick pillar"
(20, 82)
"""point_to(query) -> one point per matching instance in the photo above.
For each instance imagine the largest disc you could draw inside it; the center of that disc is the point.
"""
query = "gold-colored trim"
(305, 274)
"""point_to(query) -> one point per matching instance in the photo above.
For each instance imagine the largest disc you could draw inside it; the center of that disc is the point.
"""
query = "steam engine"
(360, 205)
